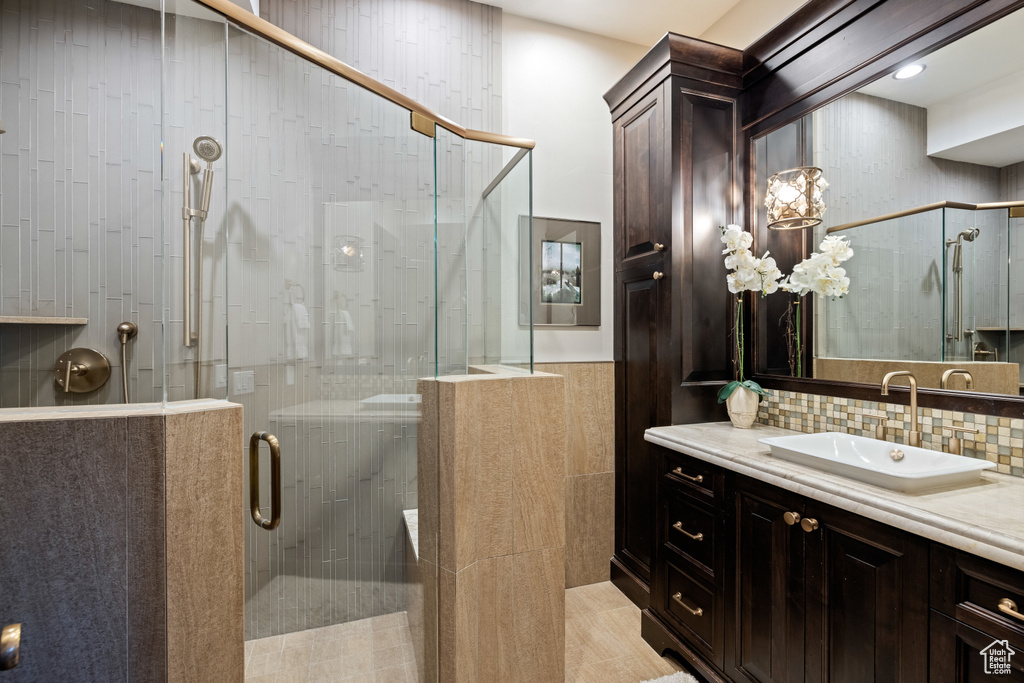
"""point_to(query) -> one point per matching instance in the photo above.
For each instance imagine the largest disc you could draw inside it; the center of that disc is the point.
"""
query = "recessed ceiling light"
(908, 71)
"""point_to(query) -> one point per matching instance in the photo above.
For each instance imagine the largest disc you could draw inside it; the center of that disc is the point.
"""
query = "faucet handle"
(956, 441)
(880, 426)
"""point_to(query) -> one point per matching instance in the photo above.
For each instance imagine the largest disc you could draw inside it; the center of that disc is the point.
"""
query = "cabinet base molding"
(656, 634)
(634, 588)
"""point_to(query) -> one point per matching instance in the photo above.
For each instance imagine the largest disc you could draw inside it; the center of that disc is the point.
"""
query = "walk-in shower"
(280, 235)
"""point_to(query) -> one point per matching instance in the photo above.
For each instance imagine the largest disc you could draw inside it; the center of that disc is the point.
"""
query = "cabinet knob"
(808, 524)
(791, 518)
(1008, 606)
(658, 246)
(658, 275)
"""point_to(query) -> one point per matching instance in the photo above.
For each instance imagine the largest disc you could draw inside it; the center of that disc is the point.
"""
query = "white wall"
(553, 80)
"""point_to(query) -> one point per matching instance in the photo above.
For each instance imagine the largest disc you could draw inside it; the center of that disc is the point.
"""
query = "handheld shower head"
(207, 148)
(969, 234)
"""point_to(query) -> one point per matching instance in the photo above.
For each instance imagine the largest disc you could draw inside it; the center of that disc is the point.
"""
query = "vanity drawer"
(982, 594)
(689, 474)
(691, 605)
(690, 531)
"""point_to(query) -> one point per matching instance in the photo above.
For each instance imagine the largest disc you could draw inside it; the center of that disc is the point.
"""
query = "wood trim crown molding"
(677, 55)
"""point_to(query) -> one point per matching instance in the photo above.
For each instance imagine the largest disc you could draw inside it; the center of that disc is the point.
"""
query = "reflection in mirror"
(924, 175)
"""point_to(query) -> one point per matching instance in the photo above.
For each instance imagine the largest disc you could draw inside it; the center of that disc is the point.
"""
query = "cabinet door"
(643, 180)
(641, 402)
(960, 654)
(867, 600)
(769, 600)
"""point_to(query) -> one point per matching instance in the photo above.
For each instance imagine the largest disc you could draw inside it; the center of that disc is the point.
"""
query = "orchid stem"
(799, 347)
(739, 335)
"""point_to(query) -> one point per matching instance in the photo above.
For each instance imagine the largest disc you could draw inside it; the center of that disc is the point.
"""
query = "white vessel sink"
(871, 461)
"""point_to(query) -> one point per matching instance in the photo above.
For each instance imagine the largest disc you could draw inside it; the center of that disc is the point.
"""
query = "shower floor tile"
(602, 643)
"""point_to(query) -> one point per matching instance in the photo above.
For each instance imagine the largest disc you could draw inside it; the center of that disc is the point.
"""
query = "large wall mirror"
(926, 183)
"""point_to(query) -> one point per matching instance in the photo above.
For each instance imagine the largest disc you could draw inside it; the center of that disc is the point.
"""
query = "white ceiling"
(644, 22)
(971, 89)
(987, 55)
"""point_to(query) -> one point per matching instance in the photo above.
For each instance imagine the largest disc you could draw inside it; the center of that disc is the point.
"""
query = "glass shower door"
(330, 238)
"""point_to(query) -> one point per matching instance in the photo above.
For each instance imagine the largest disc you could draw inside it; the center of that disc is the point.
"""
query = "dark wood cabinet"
(754, 583)
(675, 128)
(958, 654)
(825, 595)
(640, 339)
(866, 599)
(642, 180)
(769, 605)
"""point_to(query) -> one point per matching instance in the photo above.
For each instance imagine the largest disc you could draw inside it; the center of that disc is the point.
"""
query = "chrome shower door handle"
(275, 480)
(10, 646)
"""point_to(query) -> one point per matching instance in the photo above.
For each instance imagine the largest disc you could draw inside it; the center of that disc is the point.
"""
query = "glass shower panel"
(983, 271)
(331, 305)
(895, 307)
(975, 275)
(196, 213)
(452, 317)
(505, 292)
(1015, 295)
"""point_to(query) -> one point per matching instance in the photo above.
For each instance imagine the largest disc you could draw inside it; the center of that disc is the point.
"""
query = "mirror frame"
(862, 41)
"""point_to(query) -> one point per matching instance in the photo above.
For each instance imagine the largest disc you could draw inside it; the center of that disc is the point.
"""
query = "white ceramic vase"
(742, 407)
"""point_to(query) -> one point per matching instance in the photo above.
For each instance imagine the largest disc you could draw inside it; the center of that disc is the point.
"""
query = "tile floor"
(602, 643)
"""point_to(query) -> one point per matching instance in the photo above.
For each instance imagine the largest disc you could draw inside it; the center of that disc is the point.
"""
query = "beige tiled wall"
(590, 461)
(492, 526)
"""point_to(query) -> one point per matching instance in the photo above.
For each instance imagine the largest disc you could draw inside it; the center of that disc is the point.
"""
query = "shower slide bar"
(422, 119)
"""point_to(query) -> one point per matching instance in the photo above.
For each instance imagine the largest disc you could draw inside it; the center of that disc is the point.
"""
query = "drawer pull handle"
(679, 472)
(809, 524)
(1008, 606)
(791, 518)
(678, 526)
(658, 275)
(658, 246)
(695, 611)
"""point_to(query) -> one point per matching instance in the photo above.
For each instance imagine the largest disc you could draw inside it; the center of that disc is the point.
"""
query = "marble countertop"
(986, 519)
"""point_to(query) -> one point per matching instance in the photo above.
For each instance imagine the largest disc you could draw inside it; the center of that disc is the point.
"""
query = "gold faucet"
(914, 437)
(968, 377)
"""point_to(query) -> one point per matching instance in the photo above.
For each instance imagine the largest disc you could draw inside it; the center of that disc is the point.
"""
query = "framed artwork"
(566, 282)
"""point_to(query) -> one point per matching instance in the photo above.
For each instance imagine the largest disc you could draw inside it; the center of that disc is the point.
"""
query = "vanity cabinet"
(675, 136)
(825, 595)
(966, 594)
(780, 588)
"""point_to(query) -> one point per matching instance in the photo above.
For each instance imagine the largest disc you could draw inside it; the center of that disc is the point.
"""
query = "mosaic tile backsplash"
(1000, 439)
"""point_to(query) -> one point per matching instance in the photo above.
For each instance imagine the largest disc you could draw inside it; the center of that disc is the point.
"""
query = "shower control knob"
(81, 370)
